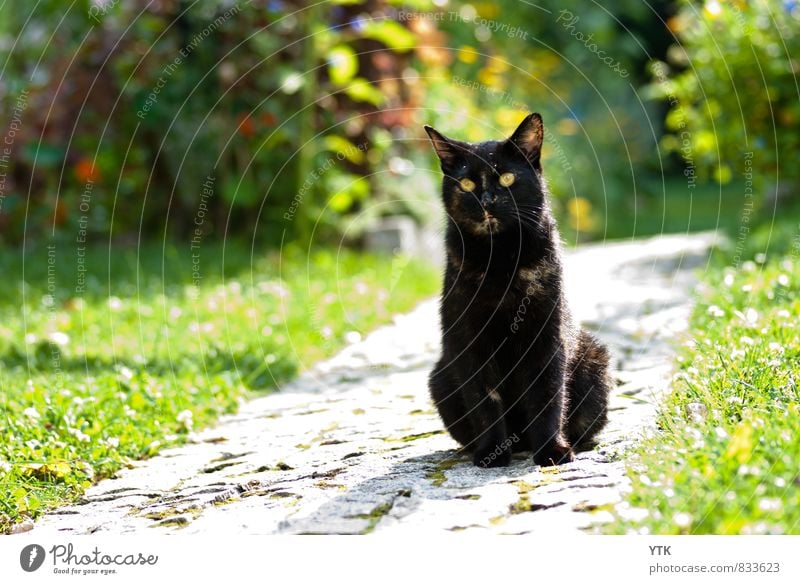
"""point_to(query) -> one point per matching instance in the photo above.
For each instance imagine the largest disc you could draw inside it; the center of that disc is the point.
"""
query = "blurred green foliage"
(581, 65)
(132, 107)
(734, 91)
(305, 120)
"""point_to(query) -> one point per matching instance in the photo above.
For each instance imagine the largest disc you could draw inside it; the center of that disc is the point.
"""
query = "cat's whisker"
(527, 219)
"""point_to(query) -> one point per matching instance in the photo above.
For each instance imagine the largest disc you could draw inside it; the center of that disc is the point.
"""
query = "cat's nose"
(487, 200)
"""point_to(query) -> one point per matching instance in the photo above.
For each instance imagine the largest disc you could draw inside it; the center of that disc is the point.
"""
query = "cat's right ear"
(446, 149)
(527, 139)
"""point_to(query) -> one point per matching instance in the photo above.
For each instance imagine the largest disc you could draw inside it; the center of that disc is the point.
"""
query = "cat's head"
(492, 187)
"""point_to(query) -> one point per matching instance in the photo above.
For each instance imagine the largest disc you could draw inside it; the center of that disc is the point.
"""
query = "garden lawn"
(103, 366)
(671, 207)
(725, 457)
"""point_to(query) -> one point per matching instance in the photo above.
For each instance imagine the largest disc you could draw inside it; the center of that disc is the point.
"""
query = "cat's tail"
(588, 386)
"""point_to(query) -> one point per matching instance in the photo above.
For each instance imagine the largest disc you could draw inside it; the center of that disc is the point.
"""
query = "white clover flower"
(767, 504)
(186, 418)
(745, 340)
(751, 315)
(78, 435)
(775, 347)
(715, 311)
(682, 519)
(275, 288)
(88, 470)
(745, 470)
(5, 467)
(59, 338)
(31, 413)
(728, 280)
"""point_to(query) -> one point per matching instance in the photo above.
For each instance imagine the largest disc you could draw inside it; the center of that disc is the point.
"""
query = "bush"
(137, 117)
(733, 88)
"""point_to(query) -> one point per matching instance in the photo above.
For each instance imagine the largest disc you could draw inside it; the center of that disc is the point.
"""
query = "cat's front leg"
(545, 398)
(491, 446)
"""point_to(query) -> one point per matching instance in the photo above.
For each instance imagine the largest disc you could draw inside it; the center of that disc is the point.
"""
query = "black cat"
(515, 372)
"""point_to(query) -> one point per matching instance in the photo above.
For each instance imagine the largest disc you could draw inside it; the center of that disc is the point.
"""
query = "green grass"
(92, 378)
(672, 207)
(724, 459)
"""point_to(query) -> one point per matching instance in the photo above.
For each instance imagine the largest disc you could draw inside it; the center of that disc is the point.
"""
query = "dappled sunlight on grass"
(724, 460)
(91, 381)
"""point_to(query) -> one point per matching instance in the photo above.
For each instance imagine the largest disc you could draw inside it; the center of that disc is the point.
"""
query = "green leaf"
(44, 154)
(347, 188)
(240, 193)
(137, 401)
(19, 495)
(342, 64)
(340, 144)
(392, 34)
(361, 90)
(340, 202)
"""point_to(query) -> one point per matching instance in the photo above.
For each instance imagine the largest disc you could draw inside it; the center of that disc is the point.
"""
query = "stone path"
(355, 446)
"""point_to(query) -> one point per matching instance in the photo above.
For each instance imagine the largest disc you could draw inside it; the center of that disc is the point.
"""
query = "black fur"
(515, 373)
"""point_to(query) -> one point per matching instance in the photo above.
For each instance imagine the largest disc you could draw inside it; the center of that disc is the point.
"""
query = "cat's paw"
(491, 456)
(553, 455)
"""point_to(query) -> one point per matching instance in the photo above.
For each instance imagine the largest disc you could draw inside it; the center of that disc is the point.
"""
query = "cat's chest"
(499, 292)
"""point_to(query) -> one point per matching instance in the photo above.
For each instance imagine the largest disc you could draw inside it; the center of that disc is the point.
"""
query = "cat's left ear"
(527, 139)
(447, 150)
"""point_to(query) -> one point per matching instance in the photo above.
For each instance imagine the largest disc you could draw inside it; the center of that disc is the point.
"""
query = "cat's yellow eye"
(507, 179)
(467, 185)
